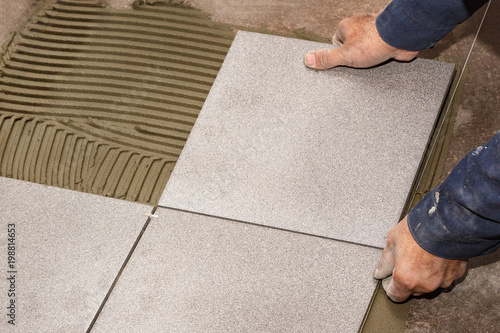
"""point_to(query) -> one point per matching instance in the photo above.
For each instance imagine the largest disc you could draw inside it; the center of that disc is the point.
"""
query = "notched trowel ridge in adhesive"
(102, 100)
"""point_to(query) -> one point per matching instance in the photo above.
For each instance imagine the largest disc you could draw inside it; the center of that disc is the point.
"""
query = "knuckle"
(446, 283)
(462, 269)
(430, 286)
(458, 269)
(325, 58)
(404, 280)
(344, 23)
(349, 62)
(391, 239)
(337, 38)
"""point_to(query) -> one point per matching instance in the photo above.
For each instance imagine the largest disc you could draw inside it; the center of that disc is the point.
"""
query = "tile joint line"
(273, 228)
(115, 281)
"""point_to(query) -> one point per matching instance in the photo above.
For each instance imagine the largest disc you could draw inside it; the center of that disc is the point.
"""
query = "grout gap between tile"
(272, 227)
(115, 281)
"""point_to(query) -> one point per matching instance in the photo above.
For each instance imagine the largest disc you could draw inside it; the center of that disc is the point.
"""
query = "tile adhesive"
(102, 100)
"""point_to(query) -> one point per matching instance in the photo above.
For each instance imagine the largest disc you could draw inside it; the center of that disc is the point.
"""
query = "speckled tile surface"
(66, 248)
(329, 153)
(193, 273)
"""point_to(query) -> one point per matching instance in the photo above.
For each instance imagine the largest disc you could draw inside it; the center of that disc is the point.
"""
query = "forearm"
(416, 25)
(461, 217)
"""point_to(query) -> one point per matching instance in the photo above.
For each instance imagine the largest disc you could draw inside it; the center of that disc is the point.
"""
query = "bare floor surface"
(13, 14)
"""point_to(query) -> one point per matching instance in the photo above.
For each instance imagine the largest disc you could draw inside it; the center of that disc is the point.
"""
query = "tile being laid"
(331, 153)
(195, 273)
(60, 252)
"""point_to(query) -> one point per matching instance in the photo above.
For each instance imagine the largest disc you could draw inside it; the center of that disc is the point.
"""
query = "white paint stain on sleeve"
(476, 151)
(436, 201)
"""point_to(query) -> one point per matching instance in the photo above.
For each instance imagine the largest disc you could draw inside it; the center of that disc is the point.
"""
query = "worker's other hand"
(407, 269)
(360, 46)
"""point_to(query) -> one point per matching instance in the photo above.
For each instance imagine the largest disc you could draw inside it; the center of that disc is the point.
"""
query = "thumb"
(324, 59)
(385, 265)
(388, 285)
(395, 291)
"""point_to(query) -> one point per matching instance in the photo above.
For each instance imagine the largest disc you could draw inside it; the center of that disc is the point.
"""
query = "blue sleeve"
(415, 25)
(461, 218)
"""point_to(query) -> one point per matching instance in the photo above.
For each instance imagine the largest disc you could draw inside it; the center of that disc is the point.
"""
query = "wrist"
(397, 53)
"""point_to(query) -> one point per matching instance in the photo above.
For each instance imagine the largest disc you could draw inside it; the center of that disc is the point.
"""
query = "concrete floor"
(473, 305)
(13, 14)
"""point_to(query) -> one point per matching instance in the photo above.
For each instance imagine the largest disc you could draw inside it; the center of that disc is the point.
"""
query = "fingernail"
(310, 59)
(336, 40)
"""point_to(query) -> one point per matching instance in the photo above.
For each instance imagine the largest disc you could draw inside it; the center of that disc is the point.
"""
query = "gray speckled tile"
(194, 273)
(69, 246)
(330, 153)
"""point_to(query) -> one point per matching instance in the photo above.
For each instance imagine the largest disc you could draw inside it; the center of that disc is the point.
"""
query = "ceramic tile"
(332, 153)
(66, 251)
(194, 273)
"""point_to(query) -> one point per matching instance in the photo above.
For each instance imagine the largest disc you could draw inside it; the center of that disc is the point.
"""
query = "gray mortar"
(101, 100)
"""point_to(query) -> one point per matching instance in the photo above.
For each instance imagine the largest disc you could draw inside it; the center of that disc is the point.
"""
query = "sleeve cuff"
(415, 25)
(461, 218)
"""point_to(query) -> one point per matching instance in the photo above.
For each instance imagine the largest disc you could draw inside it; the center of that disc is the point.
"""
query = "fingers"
(406, 281)
(461, 269)
(337, 38)
(360, 46)
(402, 55)
(387, 261)
(385, 266)
(325, 59)
(407, 269)
(328, 58)
(454, 273)
(395, 291)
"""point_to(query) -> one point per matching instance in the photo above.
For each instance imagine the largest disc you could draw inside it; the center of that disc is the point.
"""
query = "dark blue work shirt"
(461, 217)
(416, 25)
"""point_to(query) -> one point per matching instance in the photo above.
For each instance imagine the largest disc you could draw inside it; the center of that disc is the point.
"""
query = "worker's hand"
(359, 44)
(407, 269)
